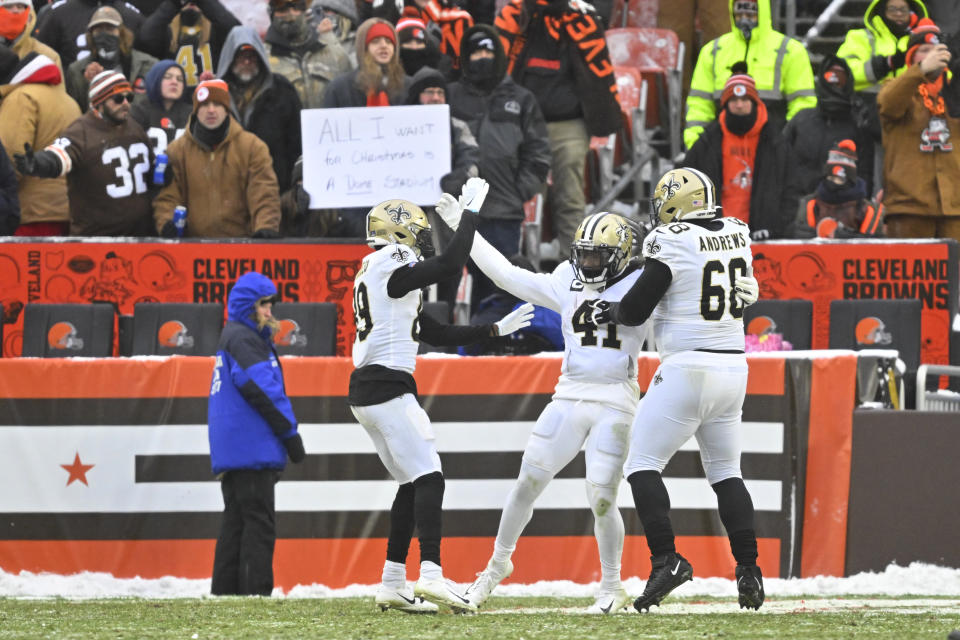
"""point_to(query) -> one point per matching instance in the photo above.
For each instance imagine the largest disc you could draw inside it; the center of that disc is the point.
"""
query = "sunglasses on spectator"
(897, 11)
(121, 97)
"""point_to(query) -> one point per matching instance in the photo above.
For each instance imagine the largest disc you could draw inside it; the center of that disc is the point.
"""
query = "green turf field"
(501, 619)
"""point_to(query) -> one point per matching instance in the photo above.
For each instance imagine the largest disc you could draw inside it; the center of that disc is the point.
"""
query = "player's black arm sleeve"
(639, 302)
(446, 265)
(449, 335)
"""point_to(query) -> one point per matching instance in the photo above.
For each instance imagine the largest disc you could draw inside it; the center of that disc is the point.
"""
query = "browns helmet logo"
(289, 334)
(871, 331)
(63, 335)
(761, 326)
(173, 334)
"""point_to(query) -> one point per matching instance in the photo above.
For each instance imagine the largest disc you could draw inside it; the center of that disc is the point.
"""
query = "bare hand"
(206, 75)
(936, 61)
(324, 26)
(91, 70)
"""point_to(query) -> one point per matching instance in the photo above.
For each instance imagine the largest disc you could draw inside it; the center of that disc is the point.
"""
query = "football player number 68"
(713, 297)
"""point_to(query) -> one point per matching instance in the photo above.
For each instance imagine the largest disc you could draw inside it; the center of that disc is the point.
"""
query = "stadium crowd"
(184, 105)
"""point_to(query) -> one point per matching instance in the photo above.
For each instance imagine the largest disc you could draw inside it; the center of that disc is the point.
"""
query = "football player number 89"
(713, 297)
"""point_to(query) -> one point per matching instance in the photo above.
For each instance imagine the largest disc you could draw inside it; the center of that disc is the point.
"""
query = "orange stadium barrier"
(106, 467)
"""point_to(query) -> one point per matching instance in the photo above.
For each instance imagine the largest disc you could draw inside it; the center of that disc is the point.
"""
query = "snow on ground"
(918, 579)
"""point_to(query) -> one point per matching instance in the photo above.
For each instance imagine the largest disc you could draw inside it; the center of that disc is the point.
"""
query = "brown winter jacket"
(26, 43)
(34, 109)
(916, 182)
(229, 192)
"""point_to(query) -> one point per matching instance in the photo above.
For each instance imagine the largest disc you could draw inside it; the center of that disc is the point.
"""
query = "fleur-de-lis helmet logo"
(623, 232)
(398, 214)
(670, 189)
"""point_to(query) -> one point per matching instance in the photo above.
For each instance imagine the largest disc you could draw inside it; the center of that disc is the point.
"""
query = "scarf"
(378, 99)
(739, 160)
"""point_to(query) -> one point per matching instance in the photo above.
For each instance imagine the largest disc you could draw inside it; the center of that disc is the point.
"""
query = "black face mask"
(414, 59)
(190, 17)
(293, 31)
(896, 29)
(739, 125)
(106, 46)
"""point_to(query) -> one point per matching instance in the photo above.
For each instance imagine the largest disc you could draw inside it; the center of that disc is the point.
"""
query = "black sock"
(428, 510)
(401, 524)
(653, 506)
(736, 513)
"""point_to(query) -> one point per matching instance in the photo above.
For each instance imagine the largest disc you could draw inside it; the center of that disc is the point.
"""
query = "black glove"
(897, 60)
(168, 230)
(266, 233)
(760, 234)
(43, 164)
(294, 447)
(601, 312)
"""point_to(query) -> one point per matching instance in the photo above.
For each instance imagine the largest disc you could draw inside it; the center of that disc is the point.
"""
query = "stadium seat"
(124, 335)
(306, 328)
(440, 312)
(68, 330)
(793, 319)
(168, 328)
(634, 13)
(877, 324)
(658, 55)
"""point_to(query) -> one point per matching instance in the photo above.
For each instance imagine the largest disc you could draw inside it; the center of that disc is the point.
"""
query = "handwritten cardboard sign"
(359, 156)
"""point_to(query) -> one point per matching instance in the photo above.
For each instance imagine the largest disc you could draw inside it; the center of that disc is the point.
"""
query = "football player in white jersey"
(387, 301)
(594, 399)
(696, 281)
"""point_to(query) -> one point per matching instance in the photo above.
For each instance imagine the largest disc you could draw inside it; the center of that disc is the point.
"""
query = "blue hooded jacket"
(249, 414)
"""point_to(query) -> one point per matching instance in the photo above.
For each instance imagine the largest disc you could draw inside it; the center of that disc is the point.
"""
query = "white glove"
(515, 320)
(582, 7)
(747, 288)
(473, 194)
(449, 210)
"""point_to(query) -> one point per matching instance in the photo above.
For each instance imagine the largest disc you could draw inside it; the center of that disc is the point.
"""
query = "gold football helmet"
(684, 194)
(601, 247)
(399, 222)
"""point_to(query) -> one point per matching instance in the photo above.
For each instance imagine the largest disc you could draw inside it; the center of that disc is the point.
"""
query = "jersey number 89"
(713, 297)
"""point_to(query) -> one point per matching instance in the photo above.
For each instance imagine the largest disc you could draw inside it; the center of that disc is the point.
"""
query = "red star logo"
(77, 470)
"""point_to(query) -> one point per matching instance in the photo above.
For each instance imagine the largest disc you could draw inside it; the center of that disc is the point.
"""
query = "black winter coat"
(513, 141)
(63, 23)
(275, 119)
(773, 202)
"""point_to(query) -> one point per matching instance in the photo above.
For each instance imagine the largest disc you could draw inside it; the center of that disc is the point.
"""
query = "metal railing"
(946, 401)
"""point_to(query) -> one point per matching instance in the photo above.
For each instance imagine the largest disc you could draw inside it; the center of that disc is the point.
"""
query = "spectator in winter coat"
(34, 109)
(558, 52)
(429, 87)
(812, 132)
(919, 110)
(9, 202)
(512, 136)
(191, 32)
(265, 103)
(378, 80)
(109, 46)
(252, 431)
(106, 157)
(840, 207)
(878, 51)
(780, 66)
(308, 59)
(63, 26)
(222, 174)
(163, 115)
(17, 20)
(745, 156)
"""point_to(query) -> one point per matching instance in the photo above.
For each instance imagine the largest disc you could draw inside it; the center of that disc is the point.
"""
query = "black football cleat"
(750, 586)
(669, 572)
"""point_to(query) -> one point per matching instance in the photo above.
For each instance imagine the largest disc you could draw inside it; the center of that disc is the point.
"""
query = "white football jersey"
(388, 329)
(700, 309)
(599, 363)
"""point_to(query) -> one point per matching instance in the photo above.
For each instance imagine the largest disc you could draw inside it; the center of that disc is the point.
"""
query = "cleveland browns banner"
(106, 468)
(154, 270)
(822, 271)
